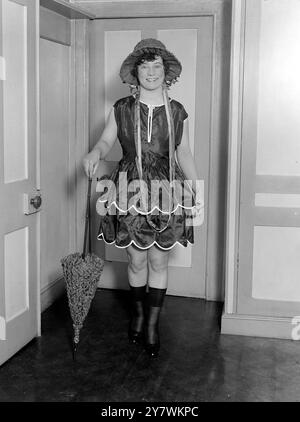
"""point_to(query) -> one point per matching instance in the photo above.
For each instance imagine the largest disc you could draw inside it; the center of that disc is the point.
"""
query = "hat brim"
(174, 66)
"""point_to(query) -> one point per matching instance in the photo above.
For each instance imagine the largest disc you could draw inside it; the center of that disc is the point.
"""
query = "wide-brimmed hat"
(144, 46)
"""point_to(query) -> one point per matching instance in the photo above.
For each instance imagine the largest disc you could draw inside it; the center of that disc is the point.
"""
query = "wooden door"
(19, 177)
(269, 229)
(191, 39)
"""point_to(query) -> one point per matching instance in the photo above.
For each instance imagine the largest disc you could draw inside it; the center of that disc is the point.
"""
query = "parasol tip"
(74, 351)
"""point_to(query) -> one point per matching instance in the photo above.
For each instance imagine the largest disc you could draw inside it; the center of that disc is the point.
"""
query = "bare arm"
(102, 147)
(108, 137)
(185, 158)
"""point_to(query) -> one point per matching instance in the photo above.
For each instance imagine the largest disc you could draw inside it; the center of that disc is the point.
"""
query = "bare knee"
(158, 261)
(137, 260)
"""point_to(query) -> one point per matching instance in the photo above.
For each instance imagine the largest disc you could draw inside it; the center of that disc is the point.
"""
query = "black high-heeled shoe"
(152, 349)
(155, 302)
(135, 337)
(135, 329)
(152, 341)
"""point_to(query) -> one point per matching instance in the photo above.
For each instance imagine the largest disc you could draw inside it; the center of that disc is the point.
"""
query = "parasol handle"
(87, 226)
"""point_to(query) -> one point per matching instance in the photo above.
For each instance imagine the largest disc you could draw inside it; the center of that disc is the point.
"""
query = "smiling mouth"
(152, 80)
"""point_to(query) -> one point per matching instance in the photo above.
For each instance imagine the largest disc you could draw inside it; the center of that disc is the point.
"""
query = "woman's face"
(151, 75)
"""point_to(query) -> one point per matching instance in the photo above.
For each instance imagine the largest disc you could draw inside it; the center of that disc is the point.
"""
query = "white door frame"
(234, 154)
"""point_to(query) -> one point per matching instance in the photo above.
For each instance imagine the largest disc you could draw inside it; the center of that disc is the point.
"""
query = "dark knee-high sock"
(137, 298)
(155, 303)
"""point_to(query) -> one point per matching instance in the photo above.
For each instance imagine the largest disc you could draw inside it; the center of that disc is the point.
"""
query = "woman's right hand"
(91, 162)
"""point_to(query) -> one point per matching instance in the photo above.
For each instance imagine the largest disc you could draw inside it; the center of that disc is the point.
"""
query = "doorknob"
(36, 201)
(32, 202)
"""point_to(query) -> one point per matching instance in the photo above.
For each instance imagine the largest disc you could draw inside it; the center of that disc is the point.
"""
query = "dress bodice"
(155, 160)
(154, 126)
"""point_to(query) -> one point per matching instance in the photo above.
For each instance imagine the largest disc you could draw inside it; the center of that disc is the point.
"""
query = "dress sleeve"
(183, 113)
(179, 118)
(116, 107)
(121, 106)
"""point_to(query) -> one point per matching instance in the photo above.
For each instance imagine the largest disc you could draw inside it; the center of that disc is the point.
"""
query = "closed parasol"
(82, 272)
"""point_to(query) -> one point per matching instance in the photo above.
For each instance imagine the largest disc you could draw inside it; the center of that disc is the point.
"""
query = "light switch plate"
(2, 69)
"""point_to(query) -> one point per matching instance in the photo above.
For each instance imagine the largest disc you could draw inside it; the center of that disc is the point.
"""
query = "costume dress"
(124, 223)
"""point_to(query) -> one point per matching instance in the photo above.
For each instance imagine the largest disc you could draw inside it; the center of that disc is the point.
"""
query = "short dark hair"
(148, 56)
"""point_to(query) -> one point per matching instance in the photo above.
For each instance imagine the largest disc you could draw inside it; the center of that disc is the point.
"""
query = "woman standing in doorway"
(151, 129)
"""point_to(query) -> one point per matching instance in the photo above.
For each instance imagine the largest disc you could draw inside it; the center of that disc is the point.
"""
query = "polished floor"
(196, 363)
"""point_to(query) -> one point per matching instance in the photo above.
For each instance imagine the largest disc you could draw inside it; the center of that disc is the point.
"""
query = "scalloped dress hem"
(193, 207)
(101, 237)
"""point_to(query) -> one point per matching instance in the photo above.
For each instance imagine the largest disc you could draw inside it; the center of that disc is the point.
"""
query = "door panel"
(269, 236)
(19, 251)
(57, 216)
(109, 47)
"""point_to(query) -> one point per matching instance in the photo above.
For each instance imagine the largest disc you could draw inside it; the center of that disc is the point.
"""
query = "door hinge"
(237, 262)
(2, 69)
